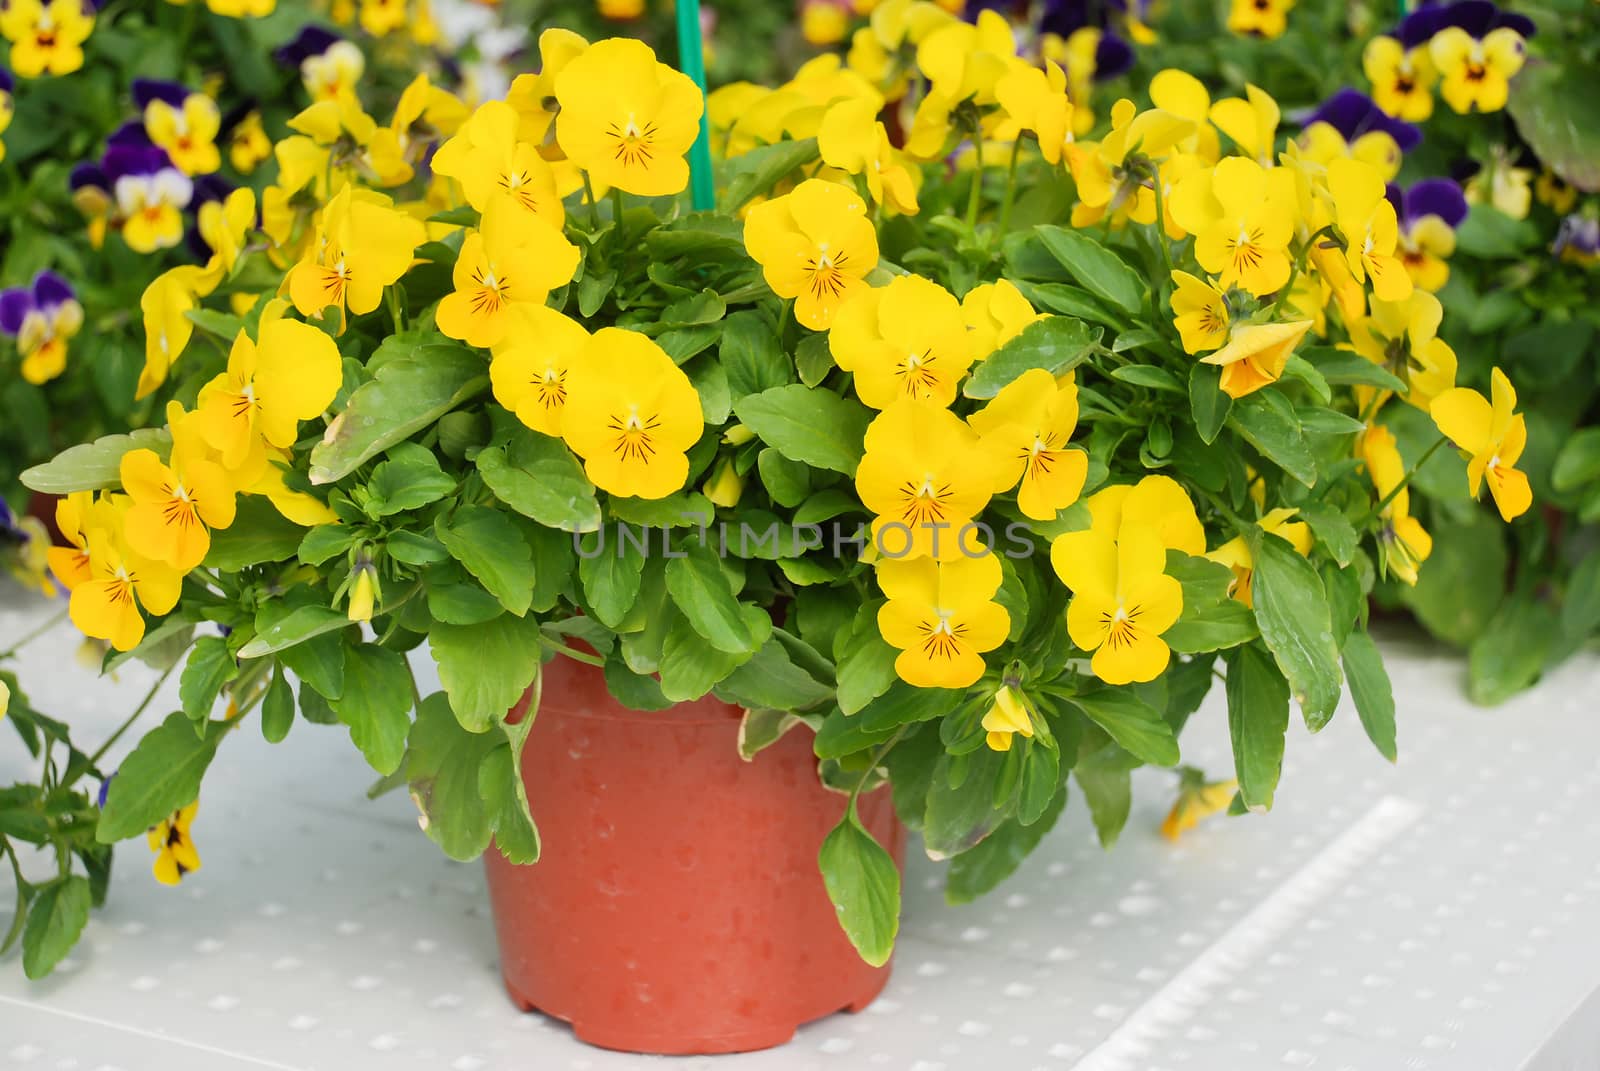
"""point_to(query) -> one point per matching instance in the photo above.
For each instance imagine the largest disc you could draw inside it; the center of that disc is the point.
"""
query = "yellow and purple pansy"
(1429, 212)
(42, 317)
(1350, 124)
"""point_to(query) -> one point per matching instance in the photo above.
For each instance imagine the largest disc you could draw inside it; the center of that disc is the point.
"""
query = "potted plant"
(865, 480)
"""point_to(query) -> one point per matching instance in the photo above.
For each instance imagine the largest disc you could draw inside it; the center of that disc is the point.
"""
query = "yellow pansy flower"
(627, 119)
(1122, 600)
(942, 617)
(853, 140)
(223, 226)
(363, 245)
(423, 113)
(331, 72)
(1322, 143)
(1403, 543)
(1007, 716)
(529, 369)
(631, 414)
(1200, 313)
(814, 244)
(239, 9)
(1251, 121)
(291, 375)
(489, 162)
(151, 209)
(380, 17)
(1550, 189)
(1242, 216)
(46, 36)
(173, 845)
(248, 144)
(5, 698)
(1157, 504)
(1026, 428)
(1493, 436)
(926, 479)
(188, 134)
(823, 22)
(1502, 184)
(76, 515)
(1402, 78)
(1370, 227)
(364, 591)
(1259, 18)
(995, 314)
(1197, 800)
(1256, 354)
(1035, 101)
(175, 506)
(904, 340)
(1106, 178)
(513, 259)
(1235, 553)
(533, 96)
(620, 10)
(166, 327)
(106, 604)
(1473, 73)
(1402, 336)
(1182, 94)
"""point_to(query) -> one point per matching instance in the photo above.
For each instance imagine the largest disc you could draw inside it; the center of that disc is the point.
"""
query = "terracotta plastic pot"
(676, 907)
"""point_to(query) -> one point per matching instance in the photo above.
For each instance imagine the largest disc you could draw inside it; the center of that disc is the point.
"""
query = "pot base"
(766, 1035)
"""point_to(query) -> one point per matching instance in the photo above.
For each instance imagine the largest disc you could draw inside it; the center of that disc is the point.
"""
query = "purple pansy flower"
(146, 90)
(41, 316)
(7, 83)
(1477, 17)
(1353, 114)
(1439, 197)
(310, 41)
(1578, 239)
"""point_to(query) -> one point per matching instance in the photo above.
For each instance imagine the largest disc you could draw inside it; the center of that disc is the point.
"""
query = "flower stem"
(975, 198)
(149, 697)
(594, 206)
(393, 297)
(1011, 187)
(1405, 481)
(572, 652)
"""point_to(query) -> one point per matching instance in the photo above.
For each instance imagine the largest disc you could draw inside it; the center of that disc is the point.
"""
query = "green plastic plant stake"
(691, 57)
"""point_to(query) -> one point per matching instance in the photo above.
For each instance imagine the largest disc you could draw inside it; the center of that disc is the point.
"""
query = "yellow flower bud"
(738, 435)
(363, 592)
(725, 485)
(5, 698)
(1008, 715)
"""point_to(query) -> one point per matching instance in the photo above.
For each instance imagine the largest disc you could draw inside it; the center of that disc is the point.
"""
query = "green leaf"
(1578, 463)
(210, 666)
(295, 627)
(788, 482)
(56, 919)
(1132, 723)
(442, 766)
(324, 542)
(770, 680)
(1490, 234)
(813, 360)
(864, 885)
(1369, 686)
(1109, 793)
(1068, 301)
(1557, 109)
(91, 466)
(690, 667)
(759, 729)
(1150, 376)
(867, 668)
(807, 424)
(408, 479)
(762, 168)
(903, 704)
(1316, 420)
(539, 478)
(410, 392)
(1207, 402)
(221, 324)
(277, 709)
(1511, 652)
(1055, 343)
(160, 775)
(700, 589)
(1334, 529)
(1095, 267)
(611, 575)
(752, 355)
(1212, 628)
(633, 690)
(1258, 720)
(487, 543)
(503, 790)
(485, 668)
(1341, 368)
(259, 533)
(1292, 612)
(997, 856)
(1580, 604)
(376, 704)
(959, 816)
(1269, 423)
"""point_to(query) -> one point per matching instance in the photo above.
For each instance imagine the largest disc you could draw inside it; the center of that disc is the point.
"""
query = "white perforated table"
(1442, 914)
